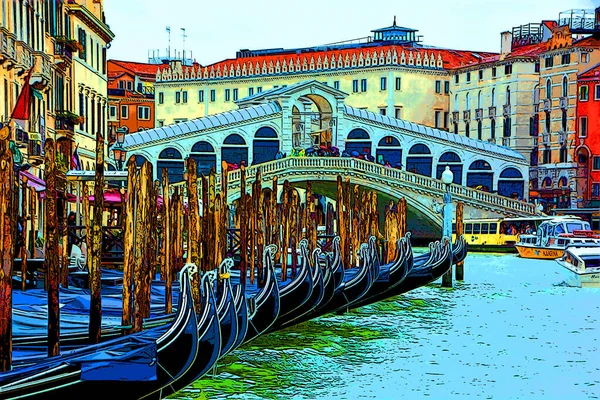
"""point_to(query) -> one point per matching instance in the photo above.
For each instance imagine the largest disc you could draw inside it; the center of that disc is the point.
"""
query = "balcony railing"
(562, 137)
(63, 55)
(455, 117)
(506, 141)
(564, 103)
(492, 112)
(547, 104)
(545, 138)
(7, 48)
(479, 114)
(467, 115)
(506, 110)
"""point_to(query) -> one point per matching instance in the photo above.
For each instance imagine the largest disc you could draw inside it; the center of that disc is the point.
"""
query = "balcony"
(63, 57)
(547, 104)
(24, 56)
(34, 149)
(65, 123)
(479, 114)
(506, 141)
(506, 110)
(562, 138)
(492, 140)
(492, 112)
(8, 52)
(41, 78)
(534, 141)
(455, 117)
(564, 103)
(467, 115)
(546, 139)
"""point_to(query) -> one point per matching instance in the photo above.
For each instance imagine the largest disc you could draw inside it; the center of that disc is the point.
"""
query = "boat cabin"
(561, 232)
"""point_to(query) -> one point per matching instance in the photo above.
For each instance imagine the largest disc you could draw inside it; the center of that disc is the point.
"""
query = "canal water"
(512, 330)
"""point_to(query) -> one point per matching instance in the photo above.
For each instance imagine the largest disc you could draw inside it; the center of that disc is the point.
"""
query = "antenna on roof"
(169, 49)
(394, 20)
(184, 36)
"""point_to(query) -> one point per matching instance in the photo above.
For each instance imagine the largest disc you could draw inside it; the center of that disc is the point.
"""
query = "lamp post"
(119, 152)
(447, 178)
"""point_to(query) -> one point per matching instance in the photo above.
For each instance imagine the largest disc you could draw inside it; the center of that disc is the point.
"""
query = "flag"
(20, 113)
(75, 161)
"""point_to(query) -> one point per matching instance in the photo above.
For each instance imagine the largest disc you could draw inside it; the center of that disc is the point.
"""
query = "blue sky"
(216, 32)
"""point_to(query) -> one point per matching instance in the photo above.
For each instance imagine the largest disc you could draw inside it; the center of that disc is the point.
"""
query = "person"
(72, 235)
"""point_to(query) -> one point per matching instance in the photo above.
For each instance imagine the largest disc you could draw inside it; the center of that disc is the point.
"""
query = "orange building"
(130, 96)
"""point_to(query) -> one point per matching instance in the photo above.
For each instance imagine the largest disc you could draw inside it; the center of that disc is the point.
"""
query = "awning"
(33, 181)
(110, 197)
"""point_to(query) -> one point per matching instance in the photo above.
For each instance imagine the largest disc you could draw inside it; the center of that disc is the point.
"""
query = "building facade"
(391, 74)
(130, 96)
(587, 138)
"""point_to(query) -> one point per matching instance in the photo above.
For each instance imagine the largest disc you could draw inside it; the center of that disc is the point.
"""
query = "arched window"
(357, 134)
(548, 88)
(480, 176)
(565, 86)
(479, 99)
(479, 130)
(234, 150)
(511, 183)
(456, 102)
(389, 151)
(204, 155)
(452, 160)
(468, 103)
(140, 160)
(171, 160)
(493, 97)
(265, 145)
(563, 182)
(508, 95)
(419, 160)
(547, 183)
(493, 129)
(467, 130)
(358, 143)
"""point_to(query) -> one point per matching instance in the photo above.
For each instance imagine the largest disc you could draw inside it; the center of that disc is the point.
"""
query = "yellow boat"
(553, 237)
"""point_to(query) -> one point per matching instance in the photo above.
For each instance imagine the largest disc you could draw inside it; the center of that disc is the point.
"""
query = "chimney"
(505, 42)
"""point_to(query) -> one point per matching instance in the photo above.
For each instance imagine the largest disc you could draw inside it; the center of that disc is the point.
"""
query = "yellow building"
(391, 74)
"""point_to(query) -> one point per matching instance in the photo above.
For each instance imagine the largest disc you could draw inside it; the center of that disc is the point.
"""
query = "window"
(585, 57)
(564, 120)
(596, 163)
(213, 95)
(479, 130)
(143, 112)
(468, 77)
(200, 96)
(508, 69)
(563, 154)
(383, 83)
(549, 62)
(235, 94)
(596, 189)
(583, 92)
(259, 89)
(398, 83)
(161, 97)
(548, 89)
(124, 112)
(121, 84)
(82, 38)
(480, 75)
(493, 72)
(436, 118)
(382, 110)
(446, 87)
(456, 79)
(355, 86)
(185, 96)
(177, 97)
(536, 67)
(548, 121)
(597, 92)
(250, 91)
(112, 111)
(129, 86)
(336, 85)
(467, 130)
(446, 117)
(583, 127)
(468, 228)
(566, 59)
(438, 86)
(398, 112)
(476, 229)
(546, 155)
(565, 87)
(227, 94)
(363, 85)
(493, 129)
(161, 123)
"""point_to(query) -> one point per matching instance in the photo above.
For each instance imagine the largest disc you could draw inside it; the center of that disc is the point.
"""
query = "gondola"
(391, 274)
(226, 308)
(241, 308)
(263, 306)
(319, 279)
(136, 364)
(295, 291)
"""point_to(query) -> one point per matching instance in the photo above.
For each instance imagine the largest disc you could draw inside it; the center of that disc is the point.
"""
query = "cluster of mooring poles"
(167, 225)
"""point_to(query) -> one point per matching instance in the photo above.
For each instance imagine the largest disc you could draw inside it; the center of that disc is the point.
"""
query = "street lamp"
(447, 178)
(119, 152)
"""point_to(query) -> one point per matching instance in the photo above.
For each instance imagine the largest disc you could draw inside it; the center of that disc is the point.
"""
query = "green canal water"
(512, 330)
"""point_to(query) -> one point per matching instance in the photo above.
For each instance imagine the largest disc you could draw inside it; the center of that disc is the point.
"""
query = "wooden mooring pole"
(193, 226)
(460, 267)
(51, 254)
(24, 208)
(6, 238)
(143, 190)
(166, 269)
(128, 241)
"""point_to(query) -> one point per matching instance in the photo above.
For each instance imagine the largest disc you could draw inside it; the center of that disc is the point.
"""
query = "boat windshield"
(591, 261)
(576, 226)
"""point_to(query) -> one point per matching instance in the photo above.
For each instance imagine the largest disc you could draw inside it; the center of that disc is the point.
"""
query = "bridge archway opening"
(265, 145)
(419, 160)
(511, 183)
(480, 176)
(234, 150)
(389, 150)
(312, 121)
(171, 159)
(358, 143)
(140, 160)
(452, 160)
(204, 155)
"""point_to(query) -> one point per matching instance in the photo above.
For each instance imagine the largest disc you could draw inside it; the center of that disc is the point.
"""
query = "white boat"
(584, 264)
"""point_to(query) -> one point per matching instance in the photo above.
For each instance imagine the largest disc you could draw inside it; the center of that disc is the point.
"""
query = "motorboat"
(583, 262)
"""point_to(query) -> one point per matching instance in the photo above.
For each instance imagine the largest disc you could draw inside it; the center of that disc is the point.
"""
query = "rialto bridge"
(312, 114)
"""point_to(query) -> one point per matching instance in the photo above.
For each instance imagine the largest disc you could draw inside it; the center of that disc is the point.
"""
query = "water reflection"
(512, 330)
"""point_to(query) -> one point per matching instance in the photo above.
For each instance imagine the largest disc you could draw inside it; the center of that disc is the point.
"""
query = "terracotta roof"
(550, 24)
(593, 72)
(450, 58)
(529, 50)
(135, 67)
(590, 41)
